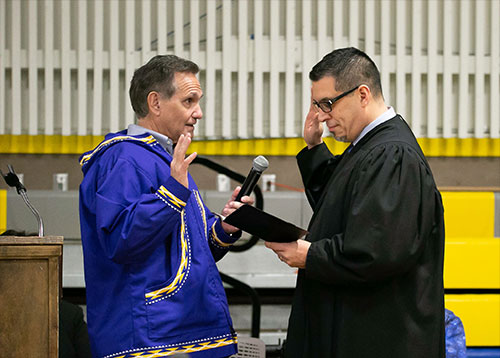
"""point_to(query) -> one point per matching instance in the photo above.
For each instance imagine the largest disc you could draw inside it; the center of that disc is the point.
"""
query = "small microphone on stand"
(260, 164)
(12, 180)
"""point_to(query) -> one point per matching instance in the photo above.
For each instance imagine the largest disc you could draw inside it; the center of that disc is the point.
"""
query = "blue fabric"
(483, 352)
(455, 336)
(150, 247)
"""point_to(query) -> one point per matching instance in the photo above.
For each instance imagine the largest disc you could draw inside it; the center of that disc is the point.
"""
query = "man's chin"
(342, 139)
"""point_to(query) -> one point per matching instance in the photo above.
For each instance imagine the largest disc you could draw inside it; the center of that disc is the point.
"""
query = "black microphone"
(12, 180)
(259, 165)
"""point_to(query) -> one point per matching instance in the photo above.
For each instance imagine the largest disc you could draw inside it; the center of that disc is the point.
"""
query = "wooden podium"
(30, 287)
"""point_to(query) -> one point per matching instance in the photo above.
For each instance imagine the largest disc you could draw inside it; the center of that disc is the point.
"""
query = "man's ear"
(154, 102)
(365, 95)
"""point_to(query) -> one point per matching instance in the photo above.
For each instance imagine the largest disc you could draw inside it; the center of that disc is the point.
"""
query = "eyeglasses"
(326, 104)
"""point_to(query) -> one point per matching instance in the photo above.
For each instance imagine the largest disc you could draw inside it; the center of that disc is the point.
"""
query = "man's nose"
(323, 117)
(198, 113)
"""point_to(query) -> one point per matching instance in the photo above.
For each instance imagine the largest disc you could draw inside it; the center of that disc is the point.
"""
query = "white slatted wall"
(65, 66)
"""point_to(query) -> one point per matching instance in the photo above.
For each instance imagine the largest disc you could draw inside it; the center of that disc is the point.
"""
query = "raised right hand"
(313, 128)
(180, 164)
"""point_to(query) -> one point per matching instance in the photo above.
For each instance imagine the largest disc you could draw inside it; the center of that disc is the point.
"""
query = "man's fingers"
(182, 146)
(185, 144)
(180, 164)
(236, 204)
(181, 149)
(278, 246)
(313, 117)
(247, 200)
(178, 148)
(312, 108)
(270, 245)
(190, 158)
(235, 193)
(231, 206)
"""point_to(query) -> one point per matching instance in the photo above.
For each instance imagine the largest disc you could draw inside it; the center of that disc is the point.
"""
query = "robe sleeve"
(132, 216)
(316, 165)
(389, 218)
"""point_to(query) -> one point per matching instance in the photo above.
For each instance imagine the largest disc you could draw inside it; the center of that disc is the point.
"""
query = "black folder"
(264, 225)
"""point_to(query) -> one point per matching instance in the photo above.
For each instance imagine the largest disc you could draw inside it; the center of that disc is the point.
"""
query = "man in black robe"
(370, 282)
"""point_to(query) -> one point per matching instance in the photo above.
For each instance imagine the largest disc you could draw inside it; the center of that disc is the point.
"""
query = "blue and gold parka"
(150, 247)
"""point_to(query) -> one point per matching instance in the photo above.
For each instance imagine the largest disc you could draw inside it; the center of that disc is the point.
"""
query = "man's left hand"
(294, 253)
(231, 206)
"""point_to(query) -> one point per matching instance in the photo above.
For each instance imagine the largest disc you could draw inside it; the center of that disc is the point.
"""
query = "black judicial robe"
(373, 282)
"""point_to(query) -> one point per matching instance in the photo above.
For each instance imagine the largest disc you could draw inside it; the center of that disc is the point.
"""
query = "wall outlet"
(269, 182)
(60, 182)
(223, 183)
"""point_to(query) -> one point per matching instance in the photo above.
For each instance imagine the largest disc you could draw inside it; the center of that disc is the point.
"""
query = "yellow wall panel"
(469, 214)
(472, 262)
(48, 144)
(460, 147)
(73, 144)
(480, 315)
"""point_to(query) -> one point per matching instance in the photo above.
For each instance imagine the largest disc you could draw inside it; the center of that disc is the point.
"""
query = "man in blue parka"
(149, 242)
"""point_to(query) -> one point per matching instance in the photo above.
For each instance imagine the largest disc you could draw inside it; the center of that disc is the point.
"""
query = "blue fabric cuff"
(220, 237)
(174, 194)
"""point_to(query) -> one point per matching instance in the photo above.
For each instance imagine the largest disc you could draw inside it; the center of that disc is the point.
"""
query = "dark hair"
(350, 67)
(156, 75)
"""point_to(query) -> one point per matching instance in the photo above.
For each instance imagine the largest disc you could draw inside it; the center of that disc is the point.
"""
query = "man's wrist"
(312, 145)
